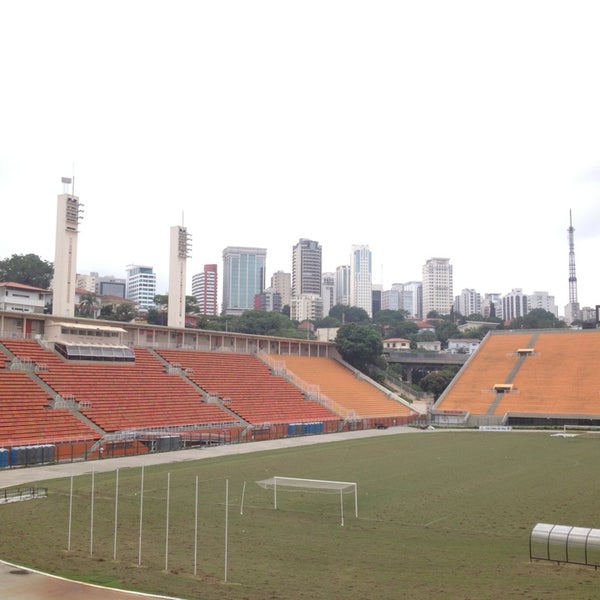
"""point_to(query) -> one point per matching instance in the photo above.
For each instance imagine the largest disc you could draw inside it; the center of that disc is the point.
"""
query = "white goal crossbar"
(295, 484)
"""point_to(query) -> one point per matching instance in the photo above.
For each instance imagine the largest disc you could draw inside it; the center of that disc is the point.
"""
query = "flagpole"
(141, 513)
(116, 513)
(70, 515)
(226, 523)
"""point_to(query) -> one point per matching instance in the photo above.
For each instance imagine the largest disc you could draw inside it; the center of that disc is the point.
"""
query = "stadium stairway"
(511, 376)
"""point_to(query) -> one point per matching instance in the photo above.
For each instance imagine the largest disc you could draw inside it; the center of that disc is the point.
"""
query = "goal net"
(295, 484)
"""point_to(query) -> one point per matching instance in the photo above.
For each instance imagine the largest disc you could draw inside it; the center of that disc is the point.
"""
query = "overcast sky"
(454, 129)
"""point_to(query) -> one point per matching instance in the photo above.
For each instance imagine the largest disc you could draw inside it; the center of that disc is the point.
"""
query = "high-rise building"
(88, 283)
(438, 293)
(281, 283)
(328, 292)
(361, 278)
(269, 300)
(342, 285)
(306, 268)
(468, 303)
(243, 278)
(64, 282)
(106, 285)
(204, 289)
(111, 286)
(491, 305)
(141, 285)
(543, 301)
(411, 299)
(514, 305)
(376, 293)
(390, 299)
(307, 307)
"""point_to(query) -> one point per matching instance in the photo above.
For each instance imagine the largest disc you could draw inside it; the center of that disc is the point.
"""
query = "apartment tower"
(437, 286)
(204, 289)
(361, 274)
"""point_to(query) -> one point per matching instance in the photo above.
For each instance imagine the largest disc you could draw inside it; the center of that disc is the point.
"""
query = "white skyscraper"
(542, 300)
(361, 279)
(468, 302)
(204, 289)
(437, 286)
(514, 305)
(141, 285)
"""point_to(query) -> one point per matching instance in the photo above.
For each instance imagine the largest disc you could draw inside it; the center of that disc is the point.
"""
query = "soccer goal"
(294, 484)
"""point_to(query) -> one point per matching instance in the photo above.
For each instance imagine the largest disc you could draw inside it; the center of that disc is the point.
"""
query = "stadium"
(189, 463)
(448, 509)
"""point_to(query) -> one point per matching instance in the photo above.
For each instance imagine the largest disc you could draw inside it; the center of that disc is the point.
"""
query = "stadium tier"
(44, 397)
(248, 388)
(26, 417)
(530, 376)
(122, 396)
(341, 385)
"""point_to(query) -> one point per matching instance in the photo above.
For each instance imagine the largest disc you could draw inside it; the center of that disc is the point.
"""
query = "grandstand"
(346, 389)
(540, 377)
(168, 398)
(248, 388)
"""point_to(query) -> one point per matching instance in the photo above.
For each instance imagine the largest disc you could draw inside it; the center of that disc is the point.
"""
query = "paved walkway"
(18, 583)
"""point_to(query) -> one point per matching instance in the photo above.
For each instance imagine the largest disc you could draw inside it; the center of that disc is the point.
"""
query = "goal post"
(295, 484)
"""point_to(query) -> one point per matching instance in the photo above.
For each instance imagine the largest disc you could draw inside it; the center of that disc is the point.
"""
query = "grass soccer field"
(440, 514)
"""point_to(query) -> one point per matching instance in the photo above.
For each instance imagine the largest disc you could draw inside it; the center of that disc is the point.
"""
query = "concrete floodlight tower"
(180, 252)
(68, 215)
(572, 310)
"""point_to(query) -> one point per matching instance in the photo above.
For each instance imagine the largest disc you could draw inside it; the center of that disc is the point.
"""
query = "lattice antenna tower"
(572, 275)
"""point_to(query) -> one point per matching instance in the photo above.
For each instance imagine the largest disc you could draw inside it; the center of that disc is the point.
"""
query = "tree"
(161, 302)
(406, 329)
(327, 323)
(191, 305)
(360, 345)
(349, 314)
(88, 305)
(154, 316)
(538, 318)
(426, 336)
(28, 269)
(262, 322)
(389, 321)
(436, 382)
(125, 312)
(445, 330)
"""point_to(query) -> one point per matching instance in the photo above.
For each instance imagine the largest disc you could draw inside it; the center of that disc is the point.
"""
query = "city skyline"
(414, 129)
